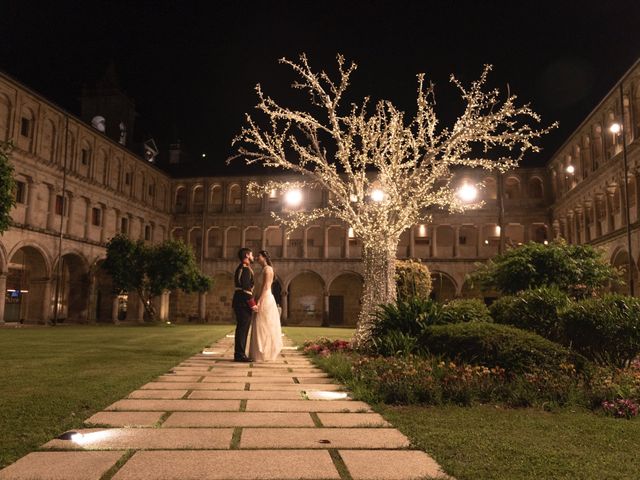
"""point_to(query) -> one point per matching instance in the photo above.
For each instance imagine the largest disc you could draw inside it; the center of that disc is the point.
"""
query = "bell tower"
(108, 109)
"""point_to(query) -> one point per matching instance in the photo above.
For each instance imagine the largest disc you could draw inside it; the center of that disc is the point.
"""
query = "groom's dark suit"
(244, 293)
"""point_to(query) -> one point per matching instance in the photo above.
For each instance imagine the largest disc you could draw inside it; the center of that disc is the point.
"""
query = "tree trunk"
(149, 307)
(379, 259)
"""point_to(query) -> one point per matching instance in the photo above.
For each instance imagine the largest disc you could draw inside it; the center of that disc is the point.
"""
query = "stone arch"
(28, 284)
(233, 241)
(345, 294)
(48, 140)
(214, 242)
(305, 298)
(536, 188)
(315, 241)
(219, 298)
(195, 241)
(70, 281)
(253, 238)
(273, 241)
(5, 117)
(512, 187)
(3, 259)
(336, 240)
(216, 198)
(177, 233)
(235, 198)
(620, 260)
(197, 199)
(443, 286)
(180, 199)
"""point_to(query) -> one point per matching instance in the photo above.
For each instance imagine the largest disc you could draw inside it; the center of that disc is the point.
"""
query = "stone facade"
(578, 196)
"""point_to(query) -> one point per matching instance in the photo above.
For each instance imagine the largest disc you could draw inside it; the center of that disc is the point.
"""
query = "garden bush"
(413, 279)
(465, 310)
(605, 330)
(536, 310)
(494, 345)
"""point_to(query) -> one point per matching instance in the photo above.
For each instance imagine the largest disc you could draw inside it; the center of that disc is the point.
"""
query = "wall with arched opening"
(443, 287)
(29, 292)
(305, 299)
(345, 293)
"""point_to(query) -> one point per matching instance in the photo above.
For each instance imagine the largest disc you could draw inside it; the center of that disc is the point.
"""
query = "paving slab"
(306, 406)
(179, 378)
(125, 419)
(147, 438)
(297, 387)
(238, 419)
(157, 394)
(233, 464)
(192, 386)
(61, 466)
(245, 395)
(390, 465)
(227, 372)
(352, 420)
(323, 438)
(176, 405)
(270, 380)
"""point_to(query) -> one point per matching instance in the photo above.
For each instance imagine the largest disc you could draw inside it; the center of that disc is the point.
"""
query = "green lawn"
(54, 378)
(492, 443)
(301, 334)
(487, 443)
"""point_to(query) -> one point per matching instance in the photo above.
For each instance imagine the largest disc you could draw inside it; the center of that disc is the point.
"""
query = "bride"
(266, 334)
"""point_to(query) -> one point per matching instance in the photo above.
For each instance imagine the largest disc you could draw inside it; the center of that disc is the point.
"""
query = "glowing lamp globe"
(293, 198)
(571, 169)
(377, 195)
(615, 128)
(467, 193)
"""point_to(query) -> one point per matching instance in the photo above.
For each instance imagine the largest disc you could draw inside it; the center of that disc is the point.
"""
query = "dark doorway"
(336, 309)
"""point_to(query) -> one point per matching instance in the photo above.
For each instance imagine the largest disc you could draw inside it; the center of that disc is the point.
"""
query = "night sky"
(191, 66)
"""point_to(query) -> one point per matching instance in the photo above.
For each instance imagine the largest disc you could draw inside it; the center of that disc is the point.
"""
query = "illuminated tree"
(384, 172)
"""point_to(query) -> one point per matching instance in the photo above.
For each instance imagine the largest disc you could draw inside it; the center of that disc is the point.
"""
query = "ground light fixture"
(293, 198)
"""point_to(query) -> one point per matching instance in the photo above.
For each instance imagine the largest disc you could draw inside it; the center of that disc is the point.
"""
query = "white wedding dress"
(266, 334)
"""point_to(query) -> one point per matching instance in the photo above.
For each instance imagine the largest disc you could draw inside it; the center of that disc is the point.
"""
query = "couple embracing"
(259, 314)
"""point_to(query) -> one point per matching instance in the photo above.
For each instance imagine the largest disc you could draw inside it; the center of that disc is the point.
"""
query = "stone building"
(50, 258)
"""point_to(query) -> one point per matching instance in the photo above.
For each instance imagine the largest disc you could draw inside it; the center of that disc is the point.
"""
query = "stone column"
(51, 215)
(115, 304)
(285, 250)
(346, 243)
(325, 245)
(434, 238)
(103, 224)
(412, 241)
(608, 199)
(46, 300)
(285, 305)
(456, 240)
(202, 306)
(224, 243)
(70, 212)
(637, 175)
(87, 218)
(325, 311)
(263, 245)
(596, 216)
(304, 244)
(3, 293)
(31, 203)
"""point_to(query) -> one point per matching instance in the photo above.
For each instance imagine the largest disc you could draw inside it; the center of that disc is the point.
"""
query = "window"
(96, 213)
(147, 232)
(127, 178)
(25, 127)
(462, 240)
(20, 192)
(124, 225)
(152, 190)
(85, 156)
(60, 205)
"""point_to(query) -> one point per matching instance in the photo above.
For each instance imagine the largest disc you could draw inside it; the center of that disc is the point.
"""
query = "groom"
(243, 303)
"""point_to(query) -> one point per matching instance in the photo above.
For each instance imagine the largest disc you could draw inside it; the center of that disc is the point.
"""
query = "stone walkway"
(210, 418)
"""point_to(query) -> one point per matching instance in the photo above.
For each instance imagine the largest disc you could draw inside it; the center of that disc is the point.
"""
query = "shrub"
(399, 325)
(578, 270)
(536, 310)
(494, 345)
(324, 346)
(605, 330)
(413, 279)
(621, 408)
(465, 310)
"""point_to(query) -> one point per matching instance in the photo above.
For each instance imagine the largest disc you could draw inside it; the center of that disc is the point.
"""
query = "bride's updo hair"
(266, 256)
